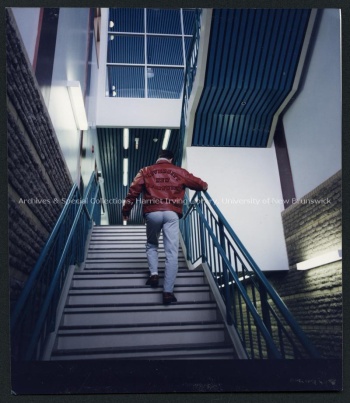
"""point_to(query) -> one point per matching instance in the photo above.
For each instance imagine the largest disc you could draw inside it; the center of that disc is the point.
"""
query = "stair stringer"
(231, 330)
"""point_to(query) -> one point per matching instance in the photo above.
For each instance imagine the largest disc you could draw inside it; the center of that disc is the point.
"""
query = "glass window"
(165, 82)
(187, 45)
(165, 39)
(189, 21)
(126, 20)
(126, 81)
(160, 21)
(126, 49)
(164, 50)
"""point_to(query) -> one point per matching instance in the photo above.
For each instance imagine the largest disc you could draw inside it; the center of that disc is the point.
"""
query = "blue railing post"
(201, 230)
(225, 274)
(187, 239)
(265, 311)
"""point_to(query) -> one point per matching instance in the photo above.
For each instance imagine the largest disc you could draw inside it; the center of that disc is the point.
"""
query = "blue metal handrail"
(263, 322)
(189, 77)
(34, 315)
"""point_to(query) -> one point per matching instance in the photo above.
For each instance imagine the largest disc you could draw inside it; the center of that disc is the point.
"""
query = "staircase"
(111, 314)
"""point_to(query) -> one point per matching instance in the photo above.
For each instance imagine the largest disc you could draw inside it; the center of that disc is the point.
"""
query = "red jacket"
(163, 186)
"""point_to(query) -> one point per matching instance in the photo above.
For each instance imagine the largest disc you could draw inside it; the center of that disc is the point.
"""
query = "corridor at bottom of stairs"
(111, 313)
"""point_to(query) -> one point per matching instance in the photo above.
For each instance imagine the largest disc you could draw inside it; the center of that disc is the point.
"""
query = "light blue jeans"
(168, 222)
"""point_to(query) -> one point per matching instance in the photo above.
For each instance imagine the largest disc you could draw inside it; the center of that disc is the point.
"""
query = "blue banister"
(271, 291)
(189, 78)
(244, 294)
(34, 273)
(34, 315)
(227, 258)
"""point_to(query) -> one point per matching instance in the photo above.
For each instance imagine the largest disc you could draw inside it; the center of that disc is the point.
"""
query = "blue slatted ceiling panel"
(252, 60)
(127, 19)
(163, 21)
(112, 154)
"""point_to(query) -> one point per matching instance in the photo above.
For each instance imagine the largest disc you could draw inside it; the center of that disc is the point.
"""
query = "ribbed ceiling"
(112, 154)
(252, 60)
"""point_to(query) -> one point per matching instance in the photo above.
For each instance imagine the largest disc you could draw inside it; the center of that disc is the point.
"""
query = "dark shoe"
(153, 280)
(168, 298)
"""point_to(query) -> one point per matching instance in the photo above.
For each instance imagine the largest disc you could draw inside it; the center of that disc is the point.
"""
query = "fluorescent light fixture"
(321, 260)
(77, 101)
(126, 139)
(125, 171)
(166, 139)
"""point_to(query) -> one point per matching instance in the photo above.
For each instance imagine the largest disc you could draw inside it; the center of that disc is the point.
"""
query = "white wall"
(313, 122)
(137, 112)
(69, 65)
(131, 112)
(27, 20)
(90, 136)
(245, 184)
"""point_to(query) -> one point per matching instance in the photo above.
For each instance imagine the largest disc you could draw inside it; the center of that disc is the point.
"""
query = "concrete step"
(125, 230)
(135, 256)
(135, 295)
(119, 237)
(110, 274)
(130, 279)
(144, 335)
(117, 245)
(145, 272)
(122, 254)
(174, 352)
(141, 315)
(123, 264)
(102, 228)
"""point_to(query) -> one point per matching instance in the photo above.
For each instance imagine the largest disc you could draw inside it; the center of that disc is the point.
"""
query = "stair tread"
(144, 349)
(140, 328)
(139, 307)
(139, 289)
(108, 276)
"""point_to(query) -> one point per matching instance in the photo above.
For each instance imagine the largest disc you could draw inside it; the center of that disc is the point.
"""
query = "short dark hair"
(166, 154)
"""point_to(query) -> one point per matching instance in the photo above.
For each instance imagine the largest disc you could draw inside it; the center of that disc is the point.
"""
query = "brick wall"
(315, 296)
(36, 168)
